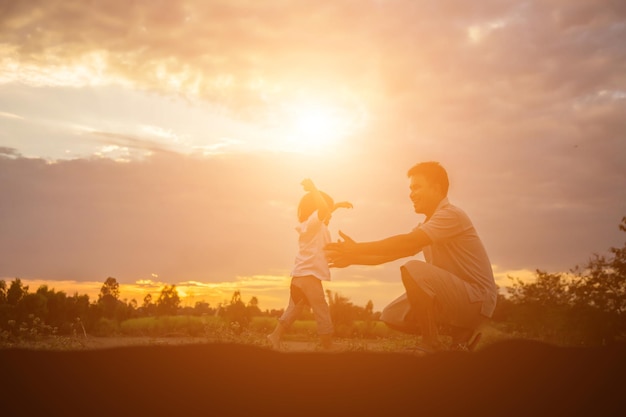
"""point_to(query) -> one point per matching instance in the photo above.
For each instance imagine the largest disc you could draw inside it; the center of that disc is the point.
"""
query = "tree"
(546, 290)
(586, 307)
(108, 299)
(600, 292)
(3, 292)
(343, 313)
(369, 310)
(236, 313)
(148, 307)
(56, 308)
(147, 301)
(168, 301)
(16, 292)
(77, 307)
(110, 288)
(543, 306)
(202, 308)
(253, 307)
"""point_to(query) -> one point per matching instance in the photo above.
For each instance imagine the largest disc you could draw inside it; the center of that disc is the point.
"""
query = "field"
(182, 330)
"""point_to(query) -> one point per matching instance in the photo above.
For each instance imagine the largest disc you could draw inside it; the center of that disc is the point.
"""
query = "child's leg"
(296, 303)
(317, 300)
(274, 337)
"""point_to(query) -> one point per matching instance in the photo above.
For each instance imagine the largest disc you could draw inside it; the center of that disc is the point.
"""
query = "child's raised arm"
(342, 204)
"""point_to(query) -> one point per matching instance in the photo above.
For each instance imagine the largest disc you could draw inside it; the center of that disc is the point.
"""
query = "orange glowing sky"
(163, 142)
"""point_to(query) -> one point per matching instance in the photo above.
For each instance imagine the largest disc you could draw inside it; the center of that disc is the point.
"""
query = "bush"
(163, 326)
(106, 327)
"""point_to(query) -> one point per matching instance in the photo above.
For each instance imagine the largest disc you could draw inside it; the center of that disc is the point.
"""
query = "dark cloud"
(8, 152)
(178, 217)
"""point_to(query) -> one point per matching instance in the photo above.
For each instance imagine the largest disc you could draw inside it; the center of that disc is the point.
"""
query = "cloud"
(8, 152)
(183, 218)
(126, 141)
(410, 64)
(523, 102)
(238, 52)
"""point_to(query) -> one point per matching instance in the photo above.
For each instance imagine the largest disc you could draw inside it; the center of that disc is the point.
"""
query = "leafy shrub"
(163, 326)
(106, 327)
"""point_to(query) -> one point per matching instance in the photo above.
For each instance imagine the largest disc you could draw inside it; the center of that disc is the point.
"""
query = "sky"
(163, 142)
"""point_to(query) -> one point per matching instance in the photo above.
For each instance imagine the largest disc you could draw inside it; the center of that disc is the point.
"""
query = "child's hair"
(307, 205)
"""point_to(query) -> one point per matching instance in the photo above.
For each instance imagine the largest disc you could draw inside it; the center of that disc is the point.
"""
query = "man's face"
(425, 196)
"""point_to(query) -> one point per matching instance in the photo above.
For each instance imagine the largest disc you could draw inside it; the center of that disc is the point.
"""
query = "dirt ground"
(92, 342)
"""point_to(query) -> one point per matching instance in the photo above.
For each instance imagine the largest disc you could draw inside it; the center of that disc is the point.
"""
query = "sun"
(315, 122)
(313, 126)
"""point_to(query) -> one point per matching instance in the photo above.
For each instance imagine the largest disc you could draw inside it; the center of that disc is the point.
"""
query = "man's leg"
(399, 316)
(423, 306)
(465, 338)
(438, 297)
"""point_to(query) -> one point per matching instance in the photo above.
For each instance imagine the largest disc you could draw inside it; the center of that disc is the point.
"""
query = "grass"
(167, 325)
(359, 336)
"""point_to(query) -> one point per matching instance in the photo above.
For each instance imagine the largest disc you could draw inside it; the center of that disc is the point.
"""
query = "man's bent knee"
(412, 285)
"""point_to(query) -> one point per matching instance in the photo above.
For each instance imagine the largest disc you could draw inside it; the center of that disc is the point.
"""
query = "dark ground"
(513, 378)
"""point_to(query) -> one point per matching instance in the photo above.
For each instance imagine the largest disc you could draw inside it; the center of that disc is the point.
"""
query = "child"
(311, 266)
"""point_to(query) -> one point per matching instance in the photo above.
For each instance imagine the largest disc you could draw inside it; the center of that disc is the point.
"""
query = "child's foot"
(274, 341)
(327, 344)
(333, 347)
(420, 349)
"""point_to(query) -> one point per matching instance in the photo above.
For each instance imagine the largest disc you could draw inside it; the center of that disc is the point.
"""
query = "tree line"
(585, 306)
(48, 312)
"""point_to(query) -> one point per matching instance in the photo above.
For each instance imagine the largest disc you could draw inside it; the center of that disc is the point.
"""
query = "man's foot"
(459, 347)
(274, 341)
(467, 346)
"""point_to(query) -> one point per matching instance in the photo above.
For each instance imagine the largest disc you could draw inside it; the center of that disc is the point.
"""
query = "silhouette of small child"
(311, 266)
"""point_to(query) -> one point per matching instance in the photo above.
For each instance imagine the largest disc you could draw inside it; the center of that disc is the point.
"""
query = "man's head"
(307, 205)
(429, 185)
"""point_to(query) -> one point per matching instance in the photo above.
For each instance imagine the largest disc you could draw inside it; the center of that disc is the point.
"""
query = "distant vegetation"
(584, 307)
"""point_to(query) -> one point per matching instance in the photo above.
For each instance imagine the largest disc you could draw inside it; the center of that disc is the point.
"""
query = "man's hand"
(337, 260)
(347, 240)
(340, 254)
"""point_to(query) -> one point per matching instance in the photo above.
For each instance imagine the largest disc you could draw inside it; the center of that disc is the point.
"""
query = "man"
(454, 287)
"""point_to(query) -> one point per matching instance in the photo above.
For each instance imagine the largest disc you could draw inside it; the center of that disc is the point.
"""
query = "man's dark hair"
(433, 172)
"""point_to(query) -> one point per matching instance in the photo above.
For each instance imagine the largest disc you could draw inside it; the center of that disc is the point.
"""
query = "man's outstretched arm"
(340, 260)
(349, 252)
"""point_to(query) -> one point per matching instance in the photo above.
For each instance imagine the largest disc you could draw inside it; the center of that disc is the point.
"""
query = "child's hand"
(343, 204)
(308, 185)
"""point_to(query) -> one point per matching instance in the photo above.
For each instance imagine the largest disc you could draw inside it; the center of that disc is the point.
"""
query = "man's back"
(457, 248)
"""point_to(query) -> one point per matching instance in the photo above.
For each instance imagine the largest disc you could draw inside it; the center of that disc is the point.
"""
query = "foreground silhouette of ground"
(512, 378)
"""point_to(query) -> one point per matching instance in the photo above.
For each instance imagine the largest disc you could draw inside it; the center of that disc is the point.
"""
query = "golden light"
(309, 126)
(316, 122)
